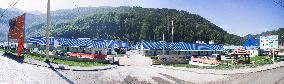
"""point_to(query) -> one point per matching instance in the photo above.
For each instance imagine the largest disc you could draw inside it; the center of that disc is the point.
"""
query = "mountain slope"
(31, 20)
(134, 24)
(36, 21)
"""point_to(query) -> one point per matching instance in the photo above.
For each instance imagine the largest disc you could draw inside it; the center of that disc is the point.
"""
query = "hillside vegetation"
(131, 24)
(136, 24)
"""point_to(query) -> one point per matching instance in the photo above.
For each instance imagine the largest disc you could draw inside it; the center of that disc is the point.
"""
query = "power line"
(75, 4)
(11, 5)
(279, 2)
(78, 9)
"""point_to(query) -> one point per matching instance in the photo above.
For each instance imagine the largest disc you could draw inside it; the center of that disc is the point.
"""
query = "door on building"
(109, 51)
(83, 50)
(67, 49)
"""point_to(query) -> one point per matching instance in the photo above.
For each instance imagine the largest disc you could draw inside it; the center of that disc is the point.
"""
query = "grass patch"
(119, 55)
(152, 57)
(59, 61)
(40, 58)
(65, 62)
(2, 50)
(225, 65)
(13, 52)
(75, 63)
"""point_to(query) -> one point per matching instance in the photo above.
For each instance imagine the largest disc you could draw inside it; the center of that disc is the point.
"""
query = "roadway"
(14, 72)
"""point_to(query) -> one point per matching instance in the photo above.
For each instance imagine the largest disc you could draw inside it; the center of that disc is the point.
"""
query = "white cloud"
(225, 27)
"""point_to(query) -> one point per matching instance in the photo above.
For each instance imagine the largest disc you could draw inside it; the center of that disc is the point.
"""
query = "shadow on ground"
(59, 74)
(14, 57)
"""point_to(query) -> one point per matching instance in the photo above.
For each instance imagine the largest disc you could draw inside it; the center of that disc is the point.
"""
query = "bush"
(42, 57)
(226, 64)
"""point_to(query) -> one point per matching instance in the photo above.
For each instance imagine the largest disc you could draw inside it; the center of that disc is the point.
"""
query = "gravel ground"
(274, 76)
(140, 75)
(281, 81)
(14, 72)
(137, 69)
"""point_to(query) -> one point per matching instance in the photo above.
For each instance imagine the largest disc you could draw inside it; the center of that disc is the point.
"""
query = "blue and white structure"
(178, 48)
(252, 45)
(80, 45)
(111, 45)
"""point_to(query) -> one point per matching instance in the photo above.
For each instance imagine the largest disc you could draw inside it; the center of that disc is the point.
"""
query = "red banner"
(16, 31)
(20, 45)
(17, 27)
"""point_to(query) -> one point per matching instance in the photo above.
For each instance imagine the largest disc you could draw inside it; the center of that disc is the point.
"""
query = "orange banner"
(20, 45)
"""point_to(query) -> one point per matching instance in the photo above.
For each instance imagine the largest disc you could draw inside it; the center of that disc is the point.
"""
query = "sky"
(239, 17)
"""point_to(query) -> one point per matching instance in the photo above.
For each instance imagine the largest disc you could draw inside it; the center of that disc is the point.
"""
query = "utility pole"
(168, 28)
(8, 47)
(172, 31)
(163, 44)
(47, 30)
(273, 50)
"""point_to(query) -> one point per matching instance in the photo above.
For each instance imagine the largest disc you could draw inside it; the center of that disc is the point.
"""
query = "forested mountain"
(131, 24)
(11, 13)
(36, 21)
(134, 24)
(66, 15)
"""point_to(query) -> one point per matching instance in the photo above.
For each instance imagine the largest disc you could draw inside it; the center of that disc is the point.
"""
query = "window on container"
(167, 52)
(100, 52)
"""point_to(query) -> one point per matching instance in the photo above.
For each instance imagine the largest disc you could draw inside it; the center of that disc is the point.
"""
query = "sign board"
(270, 41)
(56, 43)
(35, 50)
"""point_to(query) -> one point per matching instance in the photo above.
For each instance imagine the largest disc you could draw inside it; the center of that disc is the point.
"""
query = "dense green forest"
(131, 24)
(135, 24)
(31, 20)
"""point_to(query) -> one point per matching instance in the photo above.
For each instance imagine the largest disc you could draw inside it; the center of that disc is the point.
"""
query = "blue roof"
(120, 44)
(40, 40)
(76, 42)
(251, 43)
(114, 44)
(178, 46)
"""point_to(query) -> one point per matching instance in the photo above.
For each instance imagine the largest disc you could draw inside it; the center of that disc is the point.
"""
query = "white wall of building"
(173, 59)
(166, 52)
(31, 47)
(253, 53)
